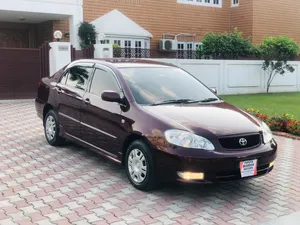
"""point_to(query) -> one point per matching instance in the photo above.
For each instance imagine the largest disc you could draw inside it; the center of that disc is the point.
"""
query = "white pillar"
(103, 51)
(60, 55)
(74, 22)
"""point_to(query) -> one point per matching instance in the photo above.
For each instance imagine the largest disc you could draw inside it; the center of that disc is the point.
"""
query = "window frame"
(107, 69)
(234, 4)
(62, 76)
(202, 3)
(67, 72)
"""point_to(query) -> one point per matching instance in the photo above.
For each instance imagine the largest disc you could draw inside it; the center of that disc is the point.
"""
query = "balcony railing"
(187, 54)
(131, 53)
(147, 53)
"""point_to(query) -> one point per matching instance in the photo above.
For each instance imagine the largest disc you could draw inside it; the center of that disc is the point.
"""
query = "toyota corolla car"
(156, 119)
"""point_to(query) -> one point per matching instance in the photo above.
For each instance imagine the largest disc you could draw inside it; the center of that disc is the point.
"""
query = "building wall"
(44, 32)
(62, 9)
(14, 35)
(276, 18)
(166, 16)
(256, 19)
(22, 35)
(242, 17)
(63, 26)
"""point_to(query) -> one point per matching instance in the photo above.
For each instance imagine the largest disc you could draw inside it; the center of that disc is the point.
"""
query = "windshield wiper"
(176, 101)
(209, 100)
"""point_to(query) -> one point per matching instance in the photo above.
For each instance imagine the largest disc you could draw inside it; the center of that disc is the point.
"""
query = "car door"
(70, 91)
(101, 120)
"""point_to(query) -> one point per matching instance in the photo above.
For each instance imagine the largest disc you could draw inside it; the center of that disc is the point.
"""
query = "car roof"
(125, 63)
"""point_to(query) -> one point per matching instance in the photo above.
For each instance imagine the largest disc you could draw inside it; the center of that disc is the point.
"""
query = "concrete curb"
(16, 101)
(286, 135)
(292, 219)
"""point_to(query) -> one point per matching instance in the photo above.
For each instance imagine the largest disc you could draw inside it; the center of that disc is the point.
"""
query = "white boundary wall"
(238, 76)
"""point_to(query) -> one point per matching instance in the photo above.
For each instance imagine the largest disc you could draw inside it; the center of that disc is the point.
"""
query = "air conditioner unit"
(168, 45)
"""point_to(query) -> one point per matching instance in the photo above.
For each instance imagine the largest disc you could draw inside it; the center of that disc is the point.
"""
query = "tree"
(225, 45)
(87, 34)
(276, 51)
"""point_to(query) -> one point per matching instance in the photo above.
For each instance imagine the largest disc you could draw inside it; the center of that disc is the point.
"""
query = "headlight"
(188, 140)
(267, 133)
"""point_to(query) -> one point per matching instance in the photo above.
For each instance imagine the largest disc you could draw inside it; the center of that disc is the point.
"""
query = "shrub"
(258, 114)
(277, 124)
(293, 127)
(116, 50)
(225, 46)
(276, 51)
(87, 34)
(284, 122)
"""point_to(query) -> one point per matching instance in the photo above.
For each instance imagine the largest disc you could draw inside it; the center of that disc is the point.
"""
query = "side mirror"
(214, 90)
(111, 96)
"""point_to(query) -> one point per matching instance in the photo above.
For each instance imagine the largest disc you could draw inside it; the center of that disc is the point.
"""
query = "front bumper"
(220, 167)
(227, 176)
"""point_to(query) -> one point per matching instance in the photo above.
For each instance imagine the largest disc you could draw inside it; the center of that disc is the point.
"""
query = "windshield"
(164, 84)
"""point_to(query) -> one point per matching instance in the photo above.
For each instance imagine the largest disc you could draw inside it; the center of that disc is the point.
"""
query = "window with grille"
(138, 49)
(180, 51)
(189, 50)
(127, 49)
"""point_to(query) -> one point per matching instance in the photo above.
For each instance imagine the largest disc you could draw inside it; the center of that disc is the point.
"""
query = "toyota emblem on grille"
(243, 141)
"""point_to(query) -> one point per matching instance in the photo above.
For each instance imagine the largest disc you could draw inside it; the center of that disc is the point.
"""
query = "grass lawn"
(271, 104)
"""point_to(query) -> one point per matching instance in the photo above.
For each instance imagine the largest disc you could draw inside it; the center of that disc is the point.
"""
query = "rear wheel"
(140, 166)
(51, 128)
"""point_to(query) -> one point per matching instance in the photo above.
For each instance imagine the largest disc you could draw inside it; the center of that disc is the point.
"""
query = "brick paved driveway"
(44, 185)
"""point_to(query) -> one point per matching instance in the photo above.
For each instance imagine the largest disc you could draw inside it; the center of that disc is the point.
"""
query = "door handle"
(87, 101)
(59, 90)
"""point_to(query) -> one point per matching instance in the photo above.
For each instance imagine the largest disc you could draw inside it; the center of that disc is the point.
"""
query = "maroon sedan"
(156, 119)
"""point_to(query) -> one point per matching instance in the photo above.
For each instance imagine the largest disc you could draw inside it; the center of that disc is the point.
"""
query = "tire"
(51, 129)
(139, 160)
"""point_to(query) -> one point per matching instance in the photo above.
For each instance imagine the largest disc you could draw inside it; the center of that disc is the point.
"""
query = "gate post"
(44, 59)
(59, 56)
(103, 51)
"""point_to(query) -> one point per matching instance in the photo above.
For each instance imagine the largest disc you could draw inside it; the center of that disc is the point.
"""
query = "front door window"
(103, 81)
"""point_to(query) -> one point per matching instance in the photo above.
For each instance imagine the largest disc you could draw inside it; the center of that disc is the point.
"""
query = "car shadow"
(230, 190)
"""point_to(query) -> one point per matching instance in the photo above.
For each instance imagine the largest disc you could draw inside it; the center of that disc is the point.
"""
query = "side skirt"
(94, 148)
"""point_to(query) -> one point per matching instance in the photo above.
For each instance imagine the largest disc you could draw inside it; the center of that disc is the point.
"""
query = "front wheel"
(51, 128)
(140, 166)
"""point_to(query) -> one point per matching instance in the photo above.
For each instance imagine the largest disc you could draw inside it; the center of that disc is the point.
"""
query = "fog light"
(191, 176)
(271, 164)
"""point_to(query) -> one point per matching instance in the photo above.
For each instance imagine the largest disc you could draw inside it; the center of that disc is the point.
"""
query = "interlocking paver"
(41, 184)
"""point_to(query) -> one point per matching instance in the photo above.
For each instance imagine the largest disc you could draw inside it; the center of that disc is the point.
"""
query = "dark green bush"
(225, 46)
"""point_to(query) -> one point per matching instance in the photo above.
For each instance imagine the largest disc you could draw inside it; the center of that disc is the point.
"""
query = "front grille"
(237, 142)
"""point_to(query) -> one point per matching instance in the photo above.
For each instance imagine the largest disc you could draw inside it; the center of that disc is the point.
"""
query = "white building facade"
(29, 21)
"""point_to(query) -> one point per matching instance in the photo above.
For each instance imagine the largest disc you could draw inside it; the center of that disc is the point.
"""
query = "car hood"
(220, 119)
